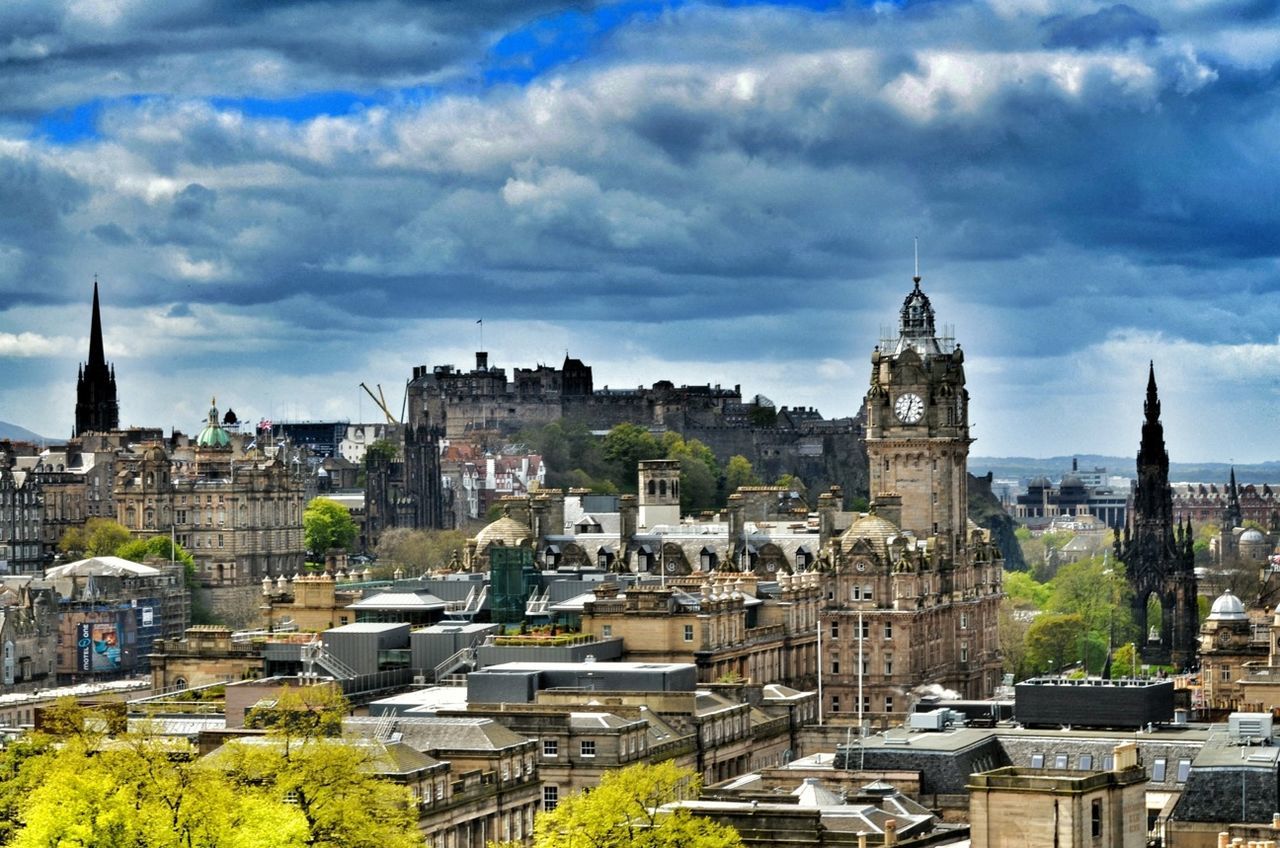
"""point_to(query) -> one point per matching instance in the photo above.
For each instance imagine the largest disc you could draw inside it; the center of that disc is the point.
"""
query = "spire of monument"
(1152, 405)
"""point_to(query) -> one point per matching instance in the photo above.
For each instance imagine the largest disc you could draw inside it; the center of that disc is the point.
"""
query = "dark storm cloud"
(1114, 25)
(59, 54)
(710, 185)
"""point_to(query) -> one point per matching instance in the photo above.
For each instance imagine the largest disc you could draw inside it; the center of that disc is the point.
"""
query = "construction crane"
(381, 401)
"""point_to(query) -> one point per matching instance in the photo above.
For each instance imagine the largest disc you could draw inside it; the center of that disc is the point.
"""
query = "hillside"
(1053, 467)
(19, 434)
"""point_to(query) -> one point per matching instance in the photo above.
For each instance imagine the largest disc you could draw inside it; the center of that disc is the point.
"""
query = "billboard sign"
(98, 646)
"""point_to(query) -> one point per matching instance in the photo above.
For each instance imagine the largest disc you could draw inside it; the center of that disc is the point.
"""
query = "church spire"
(97, 356)
(97, 409)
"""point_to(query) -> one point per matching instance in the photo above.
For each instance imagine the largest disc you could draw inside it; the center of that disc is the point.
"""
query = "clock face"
(909, 408)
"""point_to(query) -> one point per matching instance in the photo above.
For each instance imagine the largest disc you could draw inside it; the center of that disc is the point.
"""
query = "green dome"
(213, 436)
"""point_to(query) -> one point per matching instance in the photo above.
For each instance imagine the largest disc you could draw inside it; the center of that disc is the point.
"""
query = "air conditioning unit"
(419, 680)
(1250, 727)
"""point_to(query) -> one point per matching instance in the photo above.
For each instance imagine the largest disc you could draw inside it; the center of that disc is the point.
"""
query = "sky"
(283, 200)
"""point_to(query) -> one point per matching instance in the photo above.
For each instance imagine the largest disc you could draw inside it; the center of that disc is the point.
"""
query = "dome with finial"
(213, 435)
(1227, 608)
(505, 531)
(873, 529)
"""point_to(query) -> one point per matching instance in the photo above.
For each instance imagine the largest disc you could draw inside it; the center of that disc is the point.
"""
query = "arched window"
(662, 488)
(653, 487)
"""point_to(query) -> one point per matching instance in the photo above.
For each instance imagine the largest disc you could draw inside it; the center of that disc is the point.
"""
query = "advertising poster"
(99, 646)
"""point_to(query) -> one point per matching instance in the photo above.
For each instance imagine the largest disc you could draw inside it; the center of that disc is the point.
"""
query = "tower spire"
(97, 408)
(97, 356)
(1152, 405)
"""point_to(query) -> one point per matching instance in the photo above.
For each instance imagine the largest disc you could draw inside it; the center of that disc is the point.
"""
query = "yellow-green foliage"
(623, 812)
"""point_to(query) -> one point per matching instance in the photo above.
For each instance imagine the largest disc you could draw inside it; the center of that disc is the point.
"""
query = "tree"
(379, 451)
(418, 550)
(1013, 626)
(98, 537)
(298, 787)
(699, 472)
(625, 811)
(327, 524)
(625, 447)
(738, 472)
(1053, 640)
(330, 780)
(1023, 592)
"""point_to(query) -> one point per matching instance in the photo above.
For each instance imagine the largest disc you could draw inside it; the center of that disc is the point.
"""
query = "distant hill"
(19, 434)
(1053, 467)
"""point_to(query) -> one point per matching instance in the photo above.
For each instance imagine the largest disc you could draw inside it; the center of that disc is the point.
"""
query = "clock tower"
(917, 414)
(916, 586)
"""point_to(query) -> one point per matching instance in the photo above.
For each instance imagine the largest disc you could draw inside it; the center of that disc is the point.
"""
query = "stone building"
(484, 406)
(720, 622)
(21, 518)
(1156, 549)
(238, 512)
(28, 635)
(1019, 807)
(110, 612)
(914, 586)
(1229, 639)
(494, 791)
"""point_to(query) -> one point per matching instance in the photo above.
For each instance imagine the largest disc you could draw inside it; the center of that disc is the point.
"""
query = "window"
(835, 630)
(587, 748)
(1037, 760)
(865, 630)
(835, 703)
(888, 664)
(888, 630)
(888, 703)
(1184, 770)
(1108, 762)
(550, 748)
(964, 621)
(1060, 761)
(550, 797)
(1095, 818)
(1226, 674)
(866, 593)
(866, 703)
(1158, 769)
(688, 632)
(835, 665)
(607, 631)
(1086, 762)
(964, 652)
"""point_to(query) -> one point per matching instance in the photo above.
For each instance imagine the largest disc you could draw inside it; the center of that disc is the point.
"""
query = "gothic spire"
(1152, 405)
(97, 356)
(97, 408)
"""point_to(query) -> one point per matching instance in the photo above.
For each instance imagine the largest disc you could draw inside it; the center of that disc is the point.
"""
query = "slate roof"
(433, 734)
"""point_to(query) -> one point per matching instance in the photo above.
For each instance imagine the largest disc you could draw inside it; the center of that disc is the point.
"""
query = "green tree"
(793, 483)
(1023, 592)
(1097, 592)
(699, 473)
(624, 811)
(326, 524)
(98, 537)
(738, 472)
(1053, 640)
(380, 450)
(331, 781)
(625, 447)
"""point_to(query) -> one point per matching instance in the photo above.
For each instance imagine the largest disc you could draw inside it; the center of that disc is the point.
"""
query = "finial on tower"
(916, 277)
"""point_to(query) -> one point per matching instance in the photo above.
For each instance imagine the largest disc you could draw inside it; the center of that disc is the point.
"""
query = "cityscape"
(480, 428)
